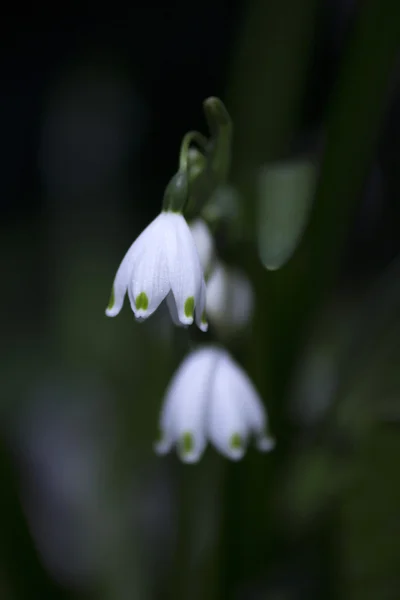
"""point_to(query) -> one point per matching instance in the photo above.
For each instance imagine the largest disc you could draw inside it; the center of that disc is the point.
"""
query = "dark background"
(93, 105)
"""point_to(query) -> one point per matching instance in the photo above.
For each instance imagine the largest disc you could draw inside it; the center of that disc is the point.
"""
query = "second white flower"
(211, 398)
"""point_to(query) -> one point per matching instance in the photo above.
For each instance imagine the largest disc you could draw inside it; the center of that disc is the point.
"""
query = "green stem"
(195, 571)
(195, 565)
(188, 139)
(221, 128)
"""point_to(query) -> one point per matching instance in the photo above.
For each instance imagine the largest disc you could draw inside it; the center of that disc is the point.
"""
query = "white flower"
(211, 398)
(163, 262)
(229, 298)
(204, 242)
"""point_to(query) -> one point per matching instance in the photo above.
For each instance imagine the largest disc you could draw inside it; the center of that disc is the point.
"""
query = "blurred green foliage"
(318, 518)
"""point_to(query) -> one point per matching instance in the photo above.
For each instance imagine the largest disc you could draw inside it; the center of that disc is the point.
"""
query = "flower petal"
(230, 297)
(182, 419)
(217, 292)
(227, 429)
(121, 282)
(123, 277)
(149, 279)
(250, 405)
(204, 242)
(185, 272)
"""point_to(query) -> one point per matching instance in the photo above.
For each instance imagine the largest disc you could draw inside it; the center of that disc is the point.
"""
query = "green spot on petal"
(236, 442)
(142, 301)
(111, 300)
(204, 318)
(189, 307)
(187, 443)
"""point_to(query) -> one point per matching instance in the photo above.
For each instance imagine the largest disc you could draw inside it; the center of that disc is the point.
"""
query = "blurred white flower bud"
(212, 398)
(229, 298)
(204, 243)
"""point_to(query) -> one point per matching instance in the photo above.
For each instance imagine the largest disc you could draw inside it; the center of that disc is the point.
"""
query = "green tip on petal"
(111, 300)
(142, 301)
(236, 442)
(204, 318)
(187, 443)
(189, 307)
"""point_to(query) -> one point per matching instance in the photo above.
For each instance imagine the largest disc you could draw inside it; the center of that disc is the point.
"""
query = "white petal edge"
(250, 404)
(217, 293)
(124, 273)
(230, 297)
(120, 283)
(204, 242)
(185, 405)
(227, 429)
(150, 272)
(185, 272)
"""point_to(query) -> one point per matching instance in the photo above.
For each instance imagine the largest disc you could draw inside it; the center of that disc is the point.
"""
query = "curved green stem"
(221, 128)
(188, 139)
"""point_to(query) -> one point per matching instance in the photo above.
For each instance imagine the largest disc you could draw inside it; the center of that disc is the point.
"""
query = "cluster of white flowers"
(210, 396)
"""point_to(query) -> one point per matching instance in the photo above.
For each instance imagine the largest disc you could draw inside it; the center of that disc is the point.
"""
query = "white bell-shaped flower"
(229, 298)
(211, 398)
(204, 241)
(162, 263)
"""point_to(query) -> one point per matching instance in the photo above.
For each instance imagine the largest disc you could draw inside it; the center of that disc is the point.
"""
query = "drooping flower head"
(211, 398)
(163, 263)
(229, 299)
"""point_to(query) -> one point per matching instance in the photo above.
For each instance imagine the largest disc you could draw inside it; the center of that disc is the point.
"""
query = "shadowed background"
(93, 106)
